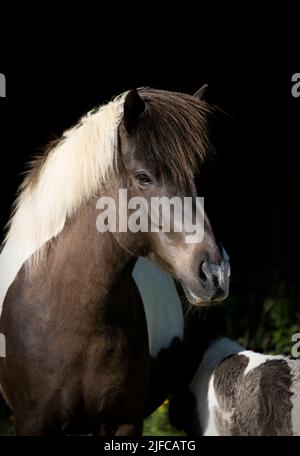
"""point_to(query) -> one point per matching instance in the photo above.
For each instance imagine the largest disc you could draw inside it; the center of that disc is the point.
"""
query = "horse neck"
(93, 263)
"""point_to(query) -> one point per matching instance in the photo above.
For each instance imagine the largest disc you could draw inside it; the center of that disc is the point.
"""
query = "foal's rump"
(242, 393)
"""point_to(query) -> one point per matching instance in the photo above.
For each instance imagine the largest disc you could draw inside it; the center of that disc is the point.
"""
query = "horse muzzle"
(212, 284)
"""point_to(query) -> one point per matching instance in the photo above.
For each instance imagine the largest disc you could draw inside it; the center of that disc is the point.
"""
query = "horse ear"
(202, 92)
(134, 107)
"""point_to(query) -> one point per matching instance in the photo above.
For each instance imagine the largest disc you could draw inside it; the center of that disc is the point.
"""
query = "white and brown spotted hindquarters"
(247, 393)
(252, 395)
(257, 401)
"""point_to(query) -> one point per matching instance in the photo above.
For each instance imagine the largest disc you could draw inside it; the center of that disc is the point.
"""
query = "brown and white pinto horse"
(76, 337)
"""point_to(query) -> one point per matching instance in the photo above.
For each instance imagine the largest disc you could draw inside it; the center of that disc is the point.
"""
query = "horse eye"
(143, 179)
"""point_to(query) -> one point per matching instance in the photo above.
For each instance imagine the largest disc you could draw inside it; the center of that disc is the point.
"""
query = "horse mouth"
(203, 299)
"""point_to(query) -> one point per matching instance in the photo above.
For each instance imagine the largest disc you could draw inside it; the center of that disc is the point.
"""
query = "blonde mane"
(58, 185)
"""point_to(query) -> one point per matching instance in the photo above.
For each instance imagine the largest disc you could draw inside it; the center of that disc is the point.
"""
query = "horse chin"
(202, 300)
(196, 299)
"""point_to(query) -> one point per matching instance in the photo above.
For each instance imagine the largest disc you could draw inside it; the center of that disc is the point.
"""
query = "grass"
(158, 423)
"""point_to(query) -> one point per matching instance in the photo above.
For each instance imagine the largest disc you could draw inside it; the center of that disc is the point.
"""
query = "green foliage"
(158, 423)
(6, 424)
(263, 322)
(273, 329)
(279, 323)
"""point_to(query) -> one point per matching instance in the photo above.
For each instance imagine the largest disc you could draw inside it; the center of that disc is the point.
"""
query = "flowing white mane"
(70, 175)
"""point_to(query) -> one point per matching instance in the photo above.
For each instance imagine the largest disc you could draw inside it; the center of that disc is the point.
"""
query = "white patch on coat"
(70, 176)
(256, 359)
(161, 303)
(212, 405)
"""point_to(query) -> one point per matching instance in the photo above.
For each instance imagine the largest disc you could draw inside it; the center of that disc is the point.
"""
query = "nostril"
(202, 274)
(208, 273)
(215, 281)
